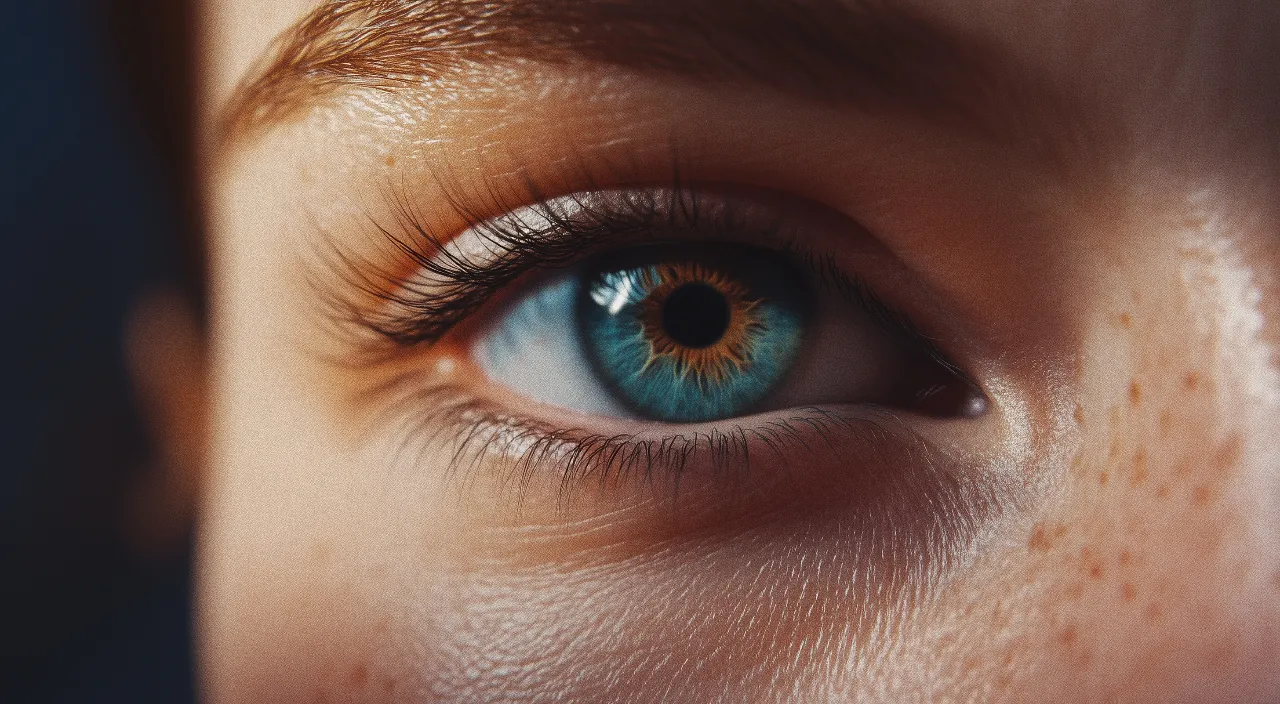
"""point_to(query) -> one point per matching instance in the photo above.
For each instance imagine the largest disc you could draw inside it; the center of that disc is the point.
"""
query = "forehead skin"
(1152, 573)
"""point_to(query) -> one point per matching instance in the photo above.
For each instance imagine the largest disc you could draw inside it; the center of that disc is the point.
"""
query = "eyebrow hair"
(877, 55)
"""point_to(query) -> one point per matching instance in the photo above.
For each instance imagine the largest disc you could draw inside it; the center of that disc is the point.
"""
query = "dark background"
(99, 212)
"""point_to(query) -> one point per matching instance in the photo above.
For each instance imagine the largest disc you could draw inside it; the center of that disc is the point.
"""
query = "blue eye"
(692, 334)
(687, 336)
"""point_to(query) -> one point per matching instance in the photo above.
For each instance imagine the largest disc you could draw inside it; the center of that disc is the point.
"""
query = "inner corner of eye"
(693, 333)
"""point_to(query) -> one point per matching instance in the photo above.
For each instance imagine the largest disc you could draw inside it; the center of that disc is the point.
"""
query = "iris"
(687, 335)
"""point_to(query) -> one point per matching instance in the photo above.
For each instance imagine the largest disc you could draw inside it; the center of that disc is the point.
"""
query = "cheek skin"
(1156, 577)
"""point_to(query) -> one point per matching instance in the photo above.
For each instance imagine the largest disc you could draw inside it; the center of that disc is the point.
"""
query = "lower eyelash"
(475, 433)
(910, 510)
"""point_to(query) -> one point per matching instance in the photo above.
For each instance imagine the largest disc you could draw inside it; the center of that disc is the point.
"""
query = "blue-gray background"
(97, 211)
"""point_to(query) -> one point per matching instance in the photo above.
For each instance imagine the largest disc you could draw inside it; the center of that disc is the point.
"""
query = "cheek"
(708, 618)
(1156, 575)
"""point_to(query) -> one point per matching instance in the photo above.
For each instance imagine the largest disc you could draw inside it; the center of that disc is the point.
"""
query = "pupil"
(695, 315)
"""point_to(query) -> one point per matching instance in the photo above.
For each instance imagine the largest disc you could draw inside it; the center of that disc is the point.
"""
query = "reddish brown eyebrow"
(874, 54)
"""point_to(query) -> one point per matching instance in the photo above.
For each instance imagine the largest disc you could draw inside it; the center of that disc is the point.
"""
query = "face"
(804, 350)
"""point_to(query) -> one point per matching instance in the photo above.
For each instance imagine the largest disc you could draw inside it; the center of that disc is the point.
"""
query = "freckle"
(1103, 478)
(1128, 591)
(1075, 591)
(1126, 320)
(1139, 468)
(1039, 540)
(1154, 612)
(1166, 424)
(359, 676)
(1079, 415)
(1201, 495)
(1162, 491)
(1090, 562)
(1125, 557)
(389, 686)
(1068, 635)
(1135, 393)
(391, 161)
(1228, 454)
(1191, 381)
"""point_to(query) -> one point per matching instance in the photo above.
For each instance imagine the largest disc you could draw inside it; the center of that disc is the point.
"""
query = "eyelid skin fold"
(447, 277)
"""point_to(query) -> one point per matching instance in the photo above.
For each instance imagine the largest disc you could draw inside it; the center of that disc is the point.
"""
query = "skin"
(1121, 311)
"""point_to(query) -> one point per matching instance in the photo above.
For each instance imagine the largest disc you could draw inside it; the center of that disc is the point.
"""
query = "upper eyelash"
(414, 311)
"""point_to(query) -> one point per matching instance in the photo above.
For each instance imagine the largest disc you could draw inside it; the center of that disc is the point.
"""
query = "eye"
(667, 342)
(700, 332)
(688, 337)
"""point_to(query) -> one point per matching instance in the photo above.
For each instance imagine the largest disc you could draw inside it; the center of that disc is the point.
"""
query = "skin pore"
(1075, 200)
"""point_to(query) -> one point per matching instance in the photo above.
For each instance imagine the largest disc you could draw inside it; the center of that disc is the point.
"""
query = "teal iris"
(686, 335)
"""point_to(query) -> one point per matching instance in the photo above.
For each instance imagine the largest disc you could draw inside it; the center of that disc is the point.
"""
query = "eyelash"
(475, 432)
(448, 288)
(415, 312)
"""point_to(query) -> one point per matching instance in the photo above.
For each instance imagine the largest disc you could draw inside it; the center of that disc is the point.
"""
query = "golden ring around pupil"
(715, 362)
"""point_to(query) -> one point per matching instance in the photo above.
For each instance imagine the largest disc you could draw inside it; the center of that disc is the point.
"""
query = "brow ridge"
(874, 54)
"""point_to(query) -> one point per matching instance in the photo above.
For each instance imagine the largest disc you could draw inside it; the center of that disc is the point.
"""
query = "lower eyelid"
(909, 500)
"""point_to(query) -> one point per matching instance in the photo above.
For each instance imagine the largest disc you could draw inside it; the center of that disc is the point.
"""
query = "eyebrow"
(876, 55)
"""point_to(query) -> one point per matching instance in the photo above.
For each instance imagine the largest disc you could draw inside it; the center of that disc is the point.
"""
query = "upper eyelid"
(443, 284)
(493, 259)
(417, 310)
